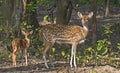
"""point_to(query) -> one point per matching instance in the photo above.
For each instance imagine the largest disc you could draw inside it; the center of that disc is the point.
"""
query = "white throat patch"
(27, 39)
(85, 28)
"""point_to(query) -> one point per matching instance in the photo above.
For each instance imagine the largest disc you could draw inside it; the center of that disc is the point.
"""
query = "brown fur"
(18, 44)
(72, 34)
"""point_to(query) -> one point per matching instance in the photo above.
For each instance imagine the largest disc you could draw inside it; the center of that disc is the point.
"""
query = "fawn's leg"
(21, 55)
(26, 57)
(14, 56)
(48, 45)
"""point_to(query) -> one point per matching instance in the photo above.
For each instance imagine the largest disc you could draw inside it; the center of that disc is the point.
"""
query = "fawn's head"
(26, 34)
(84, 18)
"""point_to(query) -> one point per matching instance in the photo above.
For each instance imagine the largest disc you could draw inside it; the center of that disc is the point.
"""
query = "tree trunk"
(107, 8)
(16, 17)
(94, 26)
(6, 11)
(63, 12)
(24, 4)
(17, 12)
(12, 13)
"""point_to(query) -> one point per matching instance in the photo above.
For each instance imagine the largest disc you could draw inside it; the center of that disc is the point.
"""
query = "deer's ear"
(31, 32)
(90, 14)
(79, 14)
(23, 32)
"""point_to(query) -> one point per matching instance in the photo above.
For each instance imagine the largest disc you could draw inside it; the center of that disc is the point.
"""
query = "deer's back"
(16, 43)
(20, 43)
(62, 33)
(25, 43)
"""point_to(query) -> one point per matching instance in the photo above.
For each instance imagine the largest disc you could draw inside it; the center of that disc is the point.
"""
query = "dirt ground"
(37, 66)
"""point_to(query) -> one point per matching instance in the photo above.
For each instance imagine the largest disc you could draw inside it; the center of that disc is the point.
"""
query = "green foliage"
(115, 3)
(118, 46)
(111, 60)
(40, 2)
(97, 51)
(107, 29)
(115, 27)
(63, 53)
(0, 2)
(85, 1)
(31, 7)
(26, 26)
(53, 49)
(46, 17)
(1, 27)
(4, 54)
(103, 46)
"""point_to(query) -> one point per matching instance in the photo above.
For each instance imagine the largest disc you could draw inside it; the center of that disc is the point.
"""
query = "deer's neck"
(85, 27)
(27, 39)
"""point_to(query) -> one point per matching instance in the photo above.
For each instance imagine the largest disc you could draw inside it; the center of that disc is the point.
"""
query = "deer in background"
(71, 34)
(19, 45)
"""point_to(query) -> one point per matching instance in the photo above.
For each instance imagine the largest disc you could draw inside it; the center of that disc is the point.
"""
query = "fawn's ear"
(90, 14)
(79, 14)
(31, 32)
(23, 32)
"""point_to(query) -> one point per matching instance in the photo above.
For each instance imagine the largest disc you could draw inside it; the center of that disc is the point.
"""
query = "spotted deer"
(71, 34)
(19, 45)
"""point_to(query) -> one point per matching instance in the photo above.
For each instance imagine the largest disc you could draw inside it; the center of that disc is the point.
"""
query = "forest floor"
(37, 66)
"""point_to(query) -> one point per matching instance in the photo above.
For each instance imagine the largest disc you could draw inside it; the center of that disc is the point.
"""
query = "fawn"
(19, 44)
(71, 34)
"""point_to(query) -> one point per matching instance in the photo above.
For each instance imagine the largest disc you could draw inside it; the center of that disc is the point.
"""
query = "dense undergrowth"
(104, 51)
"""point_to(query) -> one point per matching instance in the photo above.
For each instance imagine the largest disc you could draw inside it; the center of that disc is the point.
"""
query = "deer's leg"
(73, 54)
(14, 56)
(22, 55)
(75, 47)
(48, 45)
(26, 56)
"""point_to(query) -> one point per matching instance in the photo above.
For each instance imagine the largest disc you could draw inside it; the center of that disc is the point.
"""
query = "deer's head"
(84, 18)
(26, 34)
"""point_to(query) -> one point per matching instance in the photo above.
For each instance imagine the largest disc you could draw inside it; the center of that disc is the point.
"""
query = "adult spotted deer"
(71, 34)
(19, 45)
